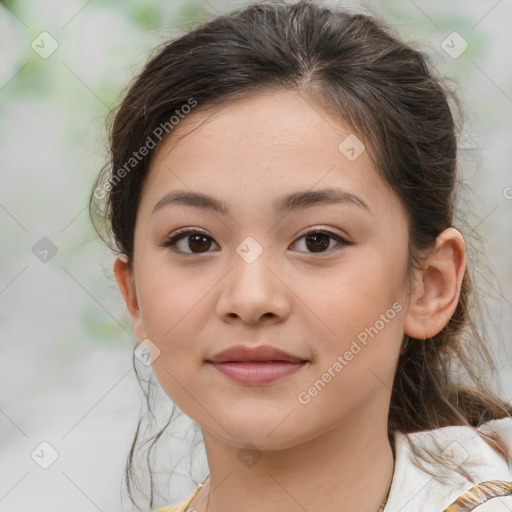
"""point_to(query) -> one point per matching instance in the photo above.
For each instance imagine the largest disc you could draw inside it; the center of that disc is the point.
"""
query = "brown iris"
(199, 242)
(320, 241)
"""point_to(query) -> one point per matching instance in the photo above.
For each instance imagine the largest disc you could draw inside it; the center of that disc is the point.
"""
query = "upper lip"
(261, 353)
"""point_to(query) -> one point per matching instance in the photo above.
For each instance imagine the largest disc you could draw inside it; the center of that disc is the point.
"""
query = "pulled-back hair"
(359, 70)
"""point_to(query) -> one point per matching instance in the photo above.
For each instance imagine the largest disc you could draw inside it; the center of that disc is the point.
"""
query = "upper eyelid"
(319, 229)
(191, 230)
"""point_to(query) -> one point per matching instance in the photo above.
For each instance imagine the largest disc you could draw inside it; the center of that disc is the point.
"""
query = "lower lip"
(258, 373)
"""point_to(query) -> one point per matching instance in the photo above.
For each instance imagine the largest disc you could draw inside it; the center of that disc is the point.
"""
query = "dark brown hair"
(357, 67)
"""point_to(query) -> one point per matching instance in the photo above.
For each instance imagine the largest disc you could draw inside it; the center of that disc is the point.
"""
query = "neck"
(335, 472)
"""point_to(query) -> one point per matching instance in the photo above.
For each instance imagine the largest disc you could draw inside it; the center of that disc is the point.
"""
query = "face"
(323, 278)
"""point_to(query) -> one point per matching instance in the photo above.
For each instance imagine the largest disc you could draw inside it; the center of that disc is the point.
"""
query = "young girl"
(281, 196)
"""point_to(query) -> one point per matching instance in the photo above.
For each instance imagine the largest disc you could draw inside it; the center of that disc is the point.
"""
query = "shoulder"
(471, 476)
(182, 505)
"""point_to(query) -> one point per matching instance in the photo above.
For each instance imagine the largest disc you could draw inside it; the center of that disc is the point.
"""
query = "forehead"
(260, 145)
(270, 118)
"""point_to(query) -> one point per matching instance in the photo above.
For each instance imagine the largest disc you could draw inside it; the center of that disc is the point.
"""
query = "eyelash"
(184, 232)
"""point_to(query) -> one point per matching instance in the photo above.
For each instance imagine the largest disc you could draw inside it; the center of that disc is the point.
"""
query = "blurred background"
(69, 401)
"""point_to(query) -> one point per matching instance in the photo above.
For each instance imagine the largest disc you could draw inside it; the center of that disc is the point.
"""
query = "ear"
(436, 292)
(126, 283)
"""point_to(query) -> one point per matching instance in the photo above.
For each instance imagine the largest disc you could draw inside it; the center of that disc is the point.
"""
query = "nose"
(254, 289)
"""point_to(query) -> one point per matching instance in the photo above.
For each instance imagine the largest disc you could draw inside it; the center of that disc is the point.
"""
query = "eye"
(320, 240)
(198, 242)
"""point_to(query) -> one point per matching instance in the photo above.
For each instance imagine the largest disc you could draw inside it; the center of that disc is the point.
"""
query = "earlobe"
(126, 285)
(435, 294)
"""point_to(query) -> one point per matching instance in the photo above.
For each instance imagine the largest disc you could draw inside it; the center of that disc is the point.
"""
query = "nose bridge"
(252, 262)
(253, 290)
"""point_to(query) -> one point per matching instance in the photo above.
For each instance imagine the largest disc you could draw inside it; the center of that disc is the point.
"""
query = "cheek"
(360, 318)
(169, 306)
(172, 316)
(173, 313)
(357, 367)
(354, 298)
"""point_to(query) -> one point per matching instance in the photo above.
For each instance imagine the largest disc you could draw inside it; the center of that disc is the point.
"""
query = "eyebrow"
(285, 204)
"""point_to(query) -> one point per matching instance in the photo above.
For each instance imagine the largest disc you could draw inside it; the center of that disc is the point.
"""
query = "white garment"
(414, 490)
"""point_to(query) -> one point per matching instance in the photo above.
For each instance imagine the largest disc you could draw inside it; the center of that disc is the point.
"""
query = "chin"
(262, 432)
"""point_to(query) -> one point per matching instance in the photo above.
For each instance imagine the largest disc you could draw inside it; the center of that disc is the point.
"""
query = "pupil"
(194, 238)
(322, 243)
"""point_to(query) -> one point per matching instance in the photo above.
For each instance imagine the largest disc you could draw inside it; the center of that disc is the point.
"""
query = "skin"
(332, 453)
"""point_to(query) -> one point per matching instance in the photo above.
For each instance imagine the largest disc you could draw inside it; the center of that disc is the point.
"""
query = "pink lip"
(262, 353)
(256, 365)
(257, 372)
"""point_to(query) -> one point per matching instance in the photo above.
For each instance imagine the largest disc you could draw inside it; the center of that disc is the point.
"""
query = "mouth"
(256, 365)
(258, 372)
